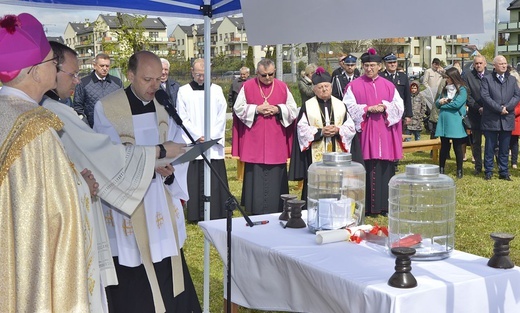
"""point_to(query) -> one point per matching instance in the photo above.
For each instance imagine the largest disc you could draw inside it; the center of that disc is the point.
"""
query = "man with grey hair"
(94, 87)
(168, 84)
(262, 138)
(49, 252)
(237, 85)
(473, 81)
(500, 95)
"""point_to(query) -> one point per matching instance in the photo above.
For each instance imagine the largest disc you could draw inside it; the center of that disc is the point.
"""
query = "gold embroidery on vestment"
(27, 126)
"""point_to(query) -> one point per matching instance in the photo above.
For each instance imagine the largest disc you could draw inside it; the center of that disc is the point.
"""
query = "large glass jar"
(422, 212)
(336, 192)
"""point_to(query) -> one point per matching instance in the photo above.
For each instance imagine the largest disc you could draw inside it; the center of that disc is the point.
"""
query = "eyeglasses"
(54, 60)
(72, 75)
(198, 75)
(267, 74)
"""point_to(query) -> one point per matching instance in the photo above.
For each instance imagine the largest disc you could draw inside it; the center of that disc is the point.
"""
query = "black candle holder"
(286, 211)
(296, 220)
(500, 258)
(403, 278)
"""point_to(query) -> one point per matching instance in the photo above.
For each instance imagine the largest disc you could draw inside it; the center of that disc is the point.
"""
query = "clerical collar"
(53, 95)
(138, 106)
(133, 93)
(323, 101)
(195, 86)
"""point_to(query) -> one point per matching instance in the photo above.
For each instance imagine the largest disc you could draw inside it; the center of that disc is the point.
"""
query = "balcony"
(509, 27)
(84, 43)
(160, 52)
(159, 39)
(396, 41)
(457, 41)
(235, 53)
(509, 48)
(237, 39)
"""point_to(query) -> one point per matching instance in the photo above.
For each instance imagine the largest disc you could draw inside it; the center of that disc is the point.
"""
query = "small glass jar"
(336, 192)
(422, 212)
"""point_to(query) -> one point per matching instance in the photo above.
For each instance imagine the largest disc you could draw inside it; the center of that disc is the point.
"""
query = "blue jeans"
(493, 138)
(416, 134)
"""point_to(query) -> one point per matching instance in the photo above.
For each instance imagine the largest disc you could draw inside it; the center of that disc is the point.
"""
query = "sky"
(55, 21)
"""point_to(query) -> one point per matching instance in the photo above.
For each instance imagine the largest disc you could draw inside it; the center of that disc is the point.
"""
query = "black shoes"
(505, 177)
(477, 172)
(459, 173)
(488, 176)
(441, 170)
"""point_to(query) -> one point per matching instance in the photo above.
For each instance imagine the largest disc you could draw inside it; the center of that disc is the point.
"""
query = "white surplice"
(160, 230)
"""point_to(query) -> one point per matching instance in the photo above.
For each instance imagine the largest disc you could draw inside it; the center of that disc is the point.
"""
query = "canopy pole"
(208, 13)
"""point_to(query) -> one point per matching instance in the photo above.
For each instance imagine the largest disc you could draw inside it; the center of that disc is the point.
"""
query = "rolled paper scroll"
(328, 236)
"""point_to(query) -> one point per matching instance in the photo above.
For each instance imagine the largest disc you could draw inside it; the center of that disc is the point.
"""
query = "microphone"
(164, 100)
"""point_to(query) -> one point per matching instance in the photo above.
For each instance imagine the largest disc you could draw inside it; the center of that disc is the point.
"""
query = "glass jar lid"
(422, 170)
(335, 158)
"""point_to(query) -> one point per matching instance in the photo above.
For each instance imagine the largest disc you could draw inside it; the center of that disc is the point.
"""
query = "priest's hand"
(173, 149)
(266, 109)
(165, 171)
(201, 139)
(329, 131)
(91, 181)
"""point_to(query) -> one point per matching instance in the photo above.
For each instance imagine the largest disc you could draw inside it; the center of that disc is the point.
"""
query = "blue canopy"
(182, 8)
(298, 21)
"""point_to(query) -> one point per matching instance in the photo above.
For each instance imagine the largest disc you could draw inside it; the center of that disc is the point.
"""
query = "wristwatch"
(162, 151)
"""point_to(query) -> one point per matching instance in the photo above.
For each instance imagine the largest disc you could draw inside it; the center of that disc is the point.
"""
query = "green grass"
(483, 207)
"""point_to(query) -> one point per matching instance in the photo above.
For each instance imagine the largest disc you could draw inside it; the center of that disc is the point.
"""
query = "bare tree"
(312, 52)
(350, 46)
(384, 46)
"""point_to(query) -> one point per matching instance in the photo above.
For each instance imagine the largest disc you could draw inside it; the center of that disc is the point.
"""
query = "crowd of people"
(92, 212)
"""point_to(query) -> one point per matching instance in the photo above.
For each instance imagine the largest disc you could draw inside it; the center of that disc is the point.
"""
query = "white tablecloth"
(285, 270)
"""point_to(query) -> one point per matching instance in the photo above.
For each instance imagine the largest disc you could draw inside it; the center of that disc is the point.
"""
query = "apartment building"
(509, 34)
(228, 38)
(90, 38)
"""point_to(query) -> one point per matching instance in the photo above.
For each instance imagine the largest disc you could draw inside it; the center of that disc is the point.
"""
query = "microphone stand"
(231, 202)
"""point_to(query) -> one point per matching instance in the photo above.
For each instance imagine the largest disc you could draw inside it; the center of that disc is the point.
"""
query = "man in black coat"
(473, 81)
(344, 74)
(500, 95)
(400, 81)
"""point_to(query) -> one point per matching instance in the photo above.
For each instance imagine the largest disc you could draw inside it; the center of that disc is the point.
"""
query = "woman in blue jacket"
(452, 107)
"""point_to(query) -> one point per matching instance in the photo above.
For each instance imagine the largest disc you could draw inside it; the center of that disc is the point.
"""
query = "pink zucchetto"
(22, 44)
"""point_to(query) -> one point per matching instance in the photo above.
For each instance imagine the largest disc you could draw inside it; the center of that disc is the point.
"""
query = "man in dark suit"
(344, 74)
(168, 84)
(473, 81)
(400, 81)
(500, 95)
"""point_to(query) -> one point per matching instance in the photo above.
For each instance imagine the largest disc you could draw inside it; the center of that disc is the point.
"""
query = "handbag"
(465, 121)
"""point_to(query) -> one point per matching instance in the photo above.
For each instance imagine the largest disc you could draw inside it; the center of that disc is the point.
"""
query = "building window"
(416, 50)
(153, 34)
(438, 49)
(220, 37)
